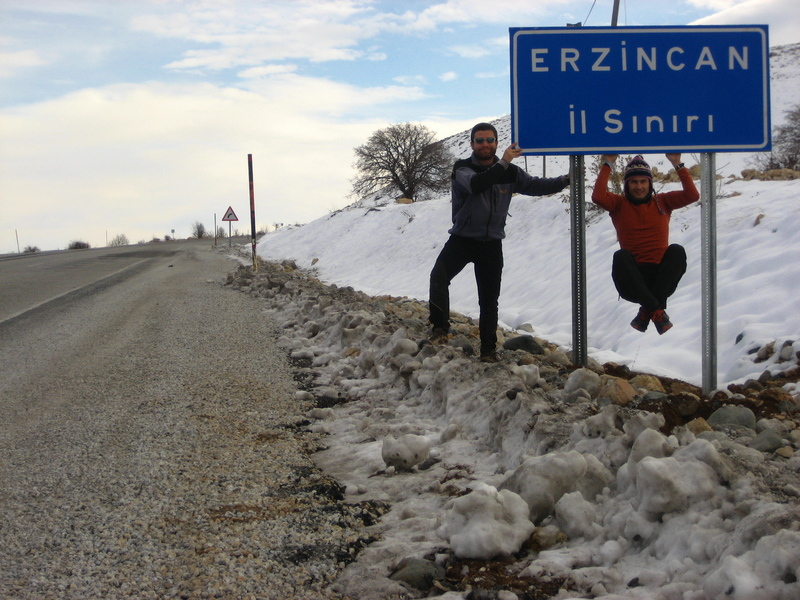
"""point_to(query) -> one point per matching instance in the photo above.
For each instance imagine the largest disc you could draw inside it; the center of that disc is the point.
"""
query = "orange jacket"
(643, 229)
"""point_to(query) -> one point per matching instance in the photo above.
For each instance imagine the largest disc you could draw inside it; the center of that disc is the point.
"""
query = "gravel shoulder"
(153, 447)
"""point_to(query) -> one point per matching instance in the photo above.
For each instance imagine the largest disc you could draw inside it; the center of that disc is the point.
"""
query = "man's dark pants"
(648, 284)
(487, 257)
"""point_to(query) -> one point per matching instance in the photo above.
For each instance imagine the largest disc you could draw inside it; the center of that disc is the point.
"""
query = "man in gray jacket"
(482, 186)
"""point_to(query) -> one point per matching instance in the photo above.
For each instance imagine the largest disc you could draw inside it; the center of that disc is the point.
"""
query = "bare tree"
(119, 240)
(198, 230)
(402, 158)
(615, 179)
(786, 143)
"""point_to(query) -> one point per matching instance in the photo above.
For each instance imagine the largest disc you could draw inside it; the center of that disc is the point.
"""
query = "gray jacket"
(482, 194)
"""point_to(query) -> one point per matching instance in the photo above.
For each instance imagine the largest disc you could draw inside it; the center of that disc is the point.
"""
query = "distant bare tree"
(615, 179)
(119, 240)
(786, 143)
(402, 158)
(198, 230)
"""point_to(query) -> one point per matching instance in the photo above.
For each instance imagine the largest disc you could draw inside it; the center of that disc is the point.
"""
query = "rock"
(686, 404)
(648, 382)
(767, 441)
(742, 453)
(524, 342)
(583, 379)
(681, 387)
(780, 398)
(418, 573)
(698, 425)
(617, 391)
(733, 415)
(654, 397)
(463, 343)
(754, 385)
(557, 358)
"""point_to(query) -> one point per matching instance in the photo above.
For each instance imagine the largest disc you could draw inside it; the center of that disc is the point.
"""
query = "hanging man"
(646, 269)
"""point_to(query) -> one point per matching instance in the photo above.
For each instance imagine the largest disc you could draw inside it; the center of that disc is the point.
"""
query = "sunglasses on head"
(488, 140)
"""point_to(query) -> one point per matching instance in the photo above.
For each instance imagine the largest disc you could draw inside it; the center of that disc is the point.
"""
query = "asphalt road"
(30, 282)
(150, 444)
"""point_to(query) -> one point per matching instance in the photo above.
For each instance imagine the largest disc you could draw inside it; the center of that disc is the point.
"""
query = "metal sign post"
(230, 216)
(708, 268)
(577, 229)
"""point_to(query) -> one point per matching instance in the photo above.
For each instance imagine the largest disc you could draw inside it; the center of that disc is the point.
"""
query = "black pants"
(488, 260)
(648, 284)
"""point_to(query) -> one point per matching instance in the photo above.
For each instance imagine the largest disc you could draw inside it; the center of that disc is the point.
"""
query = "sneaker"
(642, 319)
(490, 357)
(439, 335)
(661, 321)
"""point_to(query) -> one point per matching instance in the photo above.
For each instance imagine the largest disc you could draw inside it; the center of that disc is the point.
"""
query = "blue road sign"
(589, 90)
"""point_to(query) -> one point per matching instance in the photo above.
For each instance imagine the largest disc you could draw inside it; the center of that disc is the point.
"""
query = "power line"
(586, 20)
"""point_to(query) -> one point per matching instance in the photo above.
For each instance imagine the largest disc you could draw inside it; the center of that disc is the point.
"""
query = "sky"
(136, 118)
(640, 515)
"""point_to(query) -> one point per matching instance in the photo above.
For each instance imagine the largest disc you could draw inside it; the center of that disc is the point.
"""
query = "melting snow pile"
(473, 458)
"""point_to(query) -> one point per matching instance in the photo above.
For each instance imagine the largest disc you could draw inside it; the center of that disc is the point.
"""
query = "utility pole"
(578, 237)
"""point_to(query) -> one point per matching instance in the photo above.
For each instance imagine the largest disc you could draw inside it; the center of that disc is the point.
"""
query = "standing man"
(646, 269)
(482, 186)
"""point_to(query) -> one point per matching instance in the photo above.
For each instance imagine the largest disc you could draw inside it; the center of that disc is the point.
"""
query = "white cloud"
(469, 51)
(717, 5)
(267, 70)
(493, 74)
(248, 33)
(410, 79)
(480, 11)
(144, 159)
(11, 62)
(449, 76)
(782, 16)
(235, 34)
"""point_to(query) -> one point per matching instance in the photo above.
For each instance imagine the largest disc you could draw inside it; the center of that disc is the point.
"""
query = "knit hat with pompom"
(637, 168)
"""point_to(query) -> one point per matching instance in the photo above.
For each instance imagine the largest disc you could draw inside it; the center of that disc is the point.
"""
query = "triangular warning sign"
(230, 215)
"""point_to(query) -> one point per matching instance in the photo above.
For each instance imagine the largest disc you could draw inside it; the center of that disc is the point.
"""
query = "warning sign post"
(230, 216)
